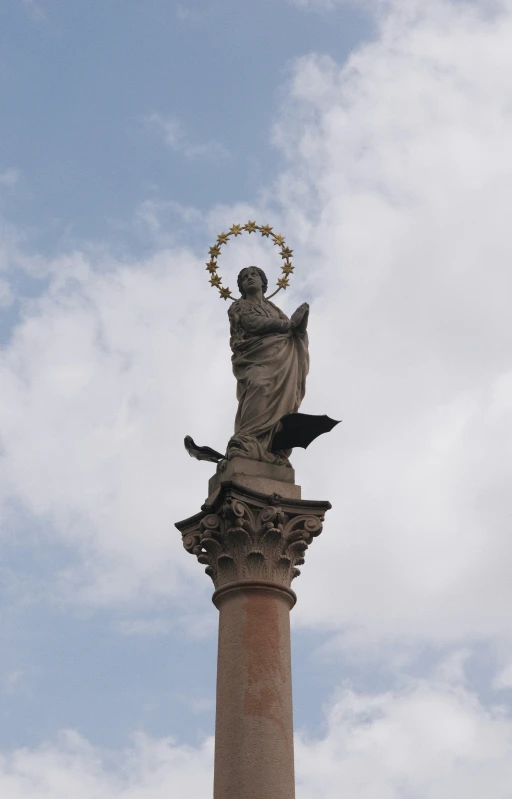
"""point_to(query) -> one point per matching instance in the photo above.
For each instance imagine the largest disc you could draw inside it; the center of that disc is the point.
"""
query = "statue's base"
(267, 478)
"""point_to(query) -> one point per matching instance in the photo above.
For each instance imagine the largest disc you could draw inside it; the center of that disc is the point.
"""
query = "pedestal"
(252, 544)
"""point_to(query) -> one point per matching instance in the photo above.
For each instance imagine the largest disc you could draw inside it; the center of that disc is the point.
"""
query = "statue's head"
(245, 272)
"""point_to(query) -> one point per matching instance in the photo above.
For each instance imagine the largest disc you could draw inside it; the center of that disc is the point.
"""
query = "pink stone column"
(254, 722)
(252, 544)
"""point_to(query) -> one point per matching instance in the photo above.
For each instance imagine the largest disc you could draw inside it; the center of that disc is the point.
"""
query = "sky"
(376, 136)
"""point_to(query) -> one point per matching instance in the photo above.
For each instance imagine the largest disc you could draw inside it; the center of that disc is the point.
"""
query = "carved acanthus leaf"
(252, 536)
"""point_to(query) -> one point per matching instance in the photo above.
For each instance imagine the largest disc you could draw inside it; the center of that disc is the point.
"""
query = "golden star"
(278, 239)
(212, 265)
(286, 252)
(222, 238)
(283, 282)
(266, 230)
(215, 280)
(287, 268)
(251, 227)
(236, 230)
(226, 294)
(215, 250)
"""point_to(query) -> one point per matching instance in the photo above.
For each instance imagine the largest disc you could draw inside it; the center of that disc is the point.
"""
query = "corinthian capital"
(246, 535)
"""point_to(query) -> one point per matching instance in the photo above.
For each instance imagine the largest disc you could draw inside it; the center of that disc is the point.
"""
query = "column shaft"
(254, 724)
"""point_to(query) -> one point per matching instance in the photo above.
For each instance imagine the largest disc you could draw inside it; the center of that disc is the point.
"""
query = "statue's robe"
(270, 364)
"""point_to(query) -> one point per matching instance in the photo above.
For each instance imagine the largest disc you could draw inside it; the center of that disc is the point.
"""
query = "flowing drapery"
(270, 364)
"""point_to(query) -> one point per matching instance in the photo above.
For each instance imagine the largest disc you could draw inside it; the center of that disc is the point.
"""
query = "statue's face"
(251, 280)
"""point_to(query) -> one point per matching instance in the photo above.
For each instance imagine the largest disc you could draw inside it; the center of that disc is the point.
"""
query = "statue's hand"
(298, 315)
(299, 318)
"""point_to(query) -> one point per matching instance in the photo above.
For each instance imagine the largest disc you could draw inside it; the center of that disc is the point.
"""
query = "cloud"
(73, 767)
(397, 191)
(432, 739)
(394, 193)
(96, 399)
(35, 10)
(315, 4)
(375, 9)
(198, 705)
(103, 376)
(190, 15)
(6, 294)
(164, 221)
(12, 681)
(9, 177)
(406, 10)
(504, 678)
(149, 627)
(175, 137)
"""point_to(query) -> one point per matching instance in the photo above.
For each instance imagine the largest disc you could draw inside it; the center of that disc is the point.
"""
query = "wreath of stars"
(237, 230)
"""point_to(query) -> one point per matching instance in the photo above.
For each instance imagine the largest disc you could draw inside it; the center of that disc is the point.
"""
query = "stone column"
(252, 544)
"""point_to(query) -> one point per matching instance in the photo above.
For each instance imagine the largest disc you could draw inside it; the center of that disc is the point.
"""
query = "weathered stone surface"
(245, 535)
(254, 719)
(270, 362)
(267, 478)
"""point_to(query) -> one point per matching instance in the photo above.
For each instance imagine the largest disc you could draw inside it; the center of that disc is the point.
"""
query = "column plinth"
(252, 545)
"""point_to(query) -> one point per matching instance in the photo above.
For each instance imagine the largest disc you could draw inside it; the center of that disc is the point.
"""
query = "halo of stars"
(236, 230)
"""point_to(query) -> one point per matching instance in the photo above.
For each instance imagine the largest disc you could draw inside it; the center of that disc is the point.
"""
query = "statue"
(270, 362)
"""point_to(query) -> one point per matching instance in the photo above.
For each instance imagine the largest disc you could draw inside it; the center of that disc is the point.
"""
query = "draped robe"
(270, 364)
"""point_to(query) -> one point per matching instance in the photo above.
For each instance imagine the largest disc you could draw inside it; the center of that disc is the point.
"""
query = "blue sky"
(91, 80)
(376, 135)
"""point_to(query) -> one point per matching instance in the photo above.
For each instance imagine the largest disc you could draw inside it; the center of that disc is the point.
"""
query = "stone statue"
(270, 362)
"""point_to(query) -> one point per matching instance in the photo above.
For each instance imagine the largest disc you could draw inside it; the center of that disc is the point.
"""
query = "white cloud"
(12, 680)
(316, 4)
(190, 15)
(398, 190)
(178, 140)
(103, 377)
(198, 705)
(504, 678)
(395, 200)
(35, 10)
(9, 177)
(96, 398)
(148, 627)
(430, 739)
(406, 10)
(164, 220)
(6, 294)
(72, 767)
